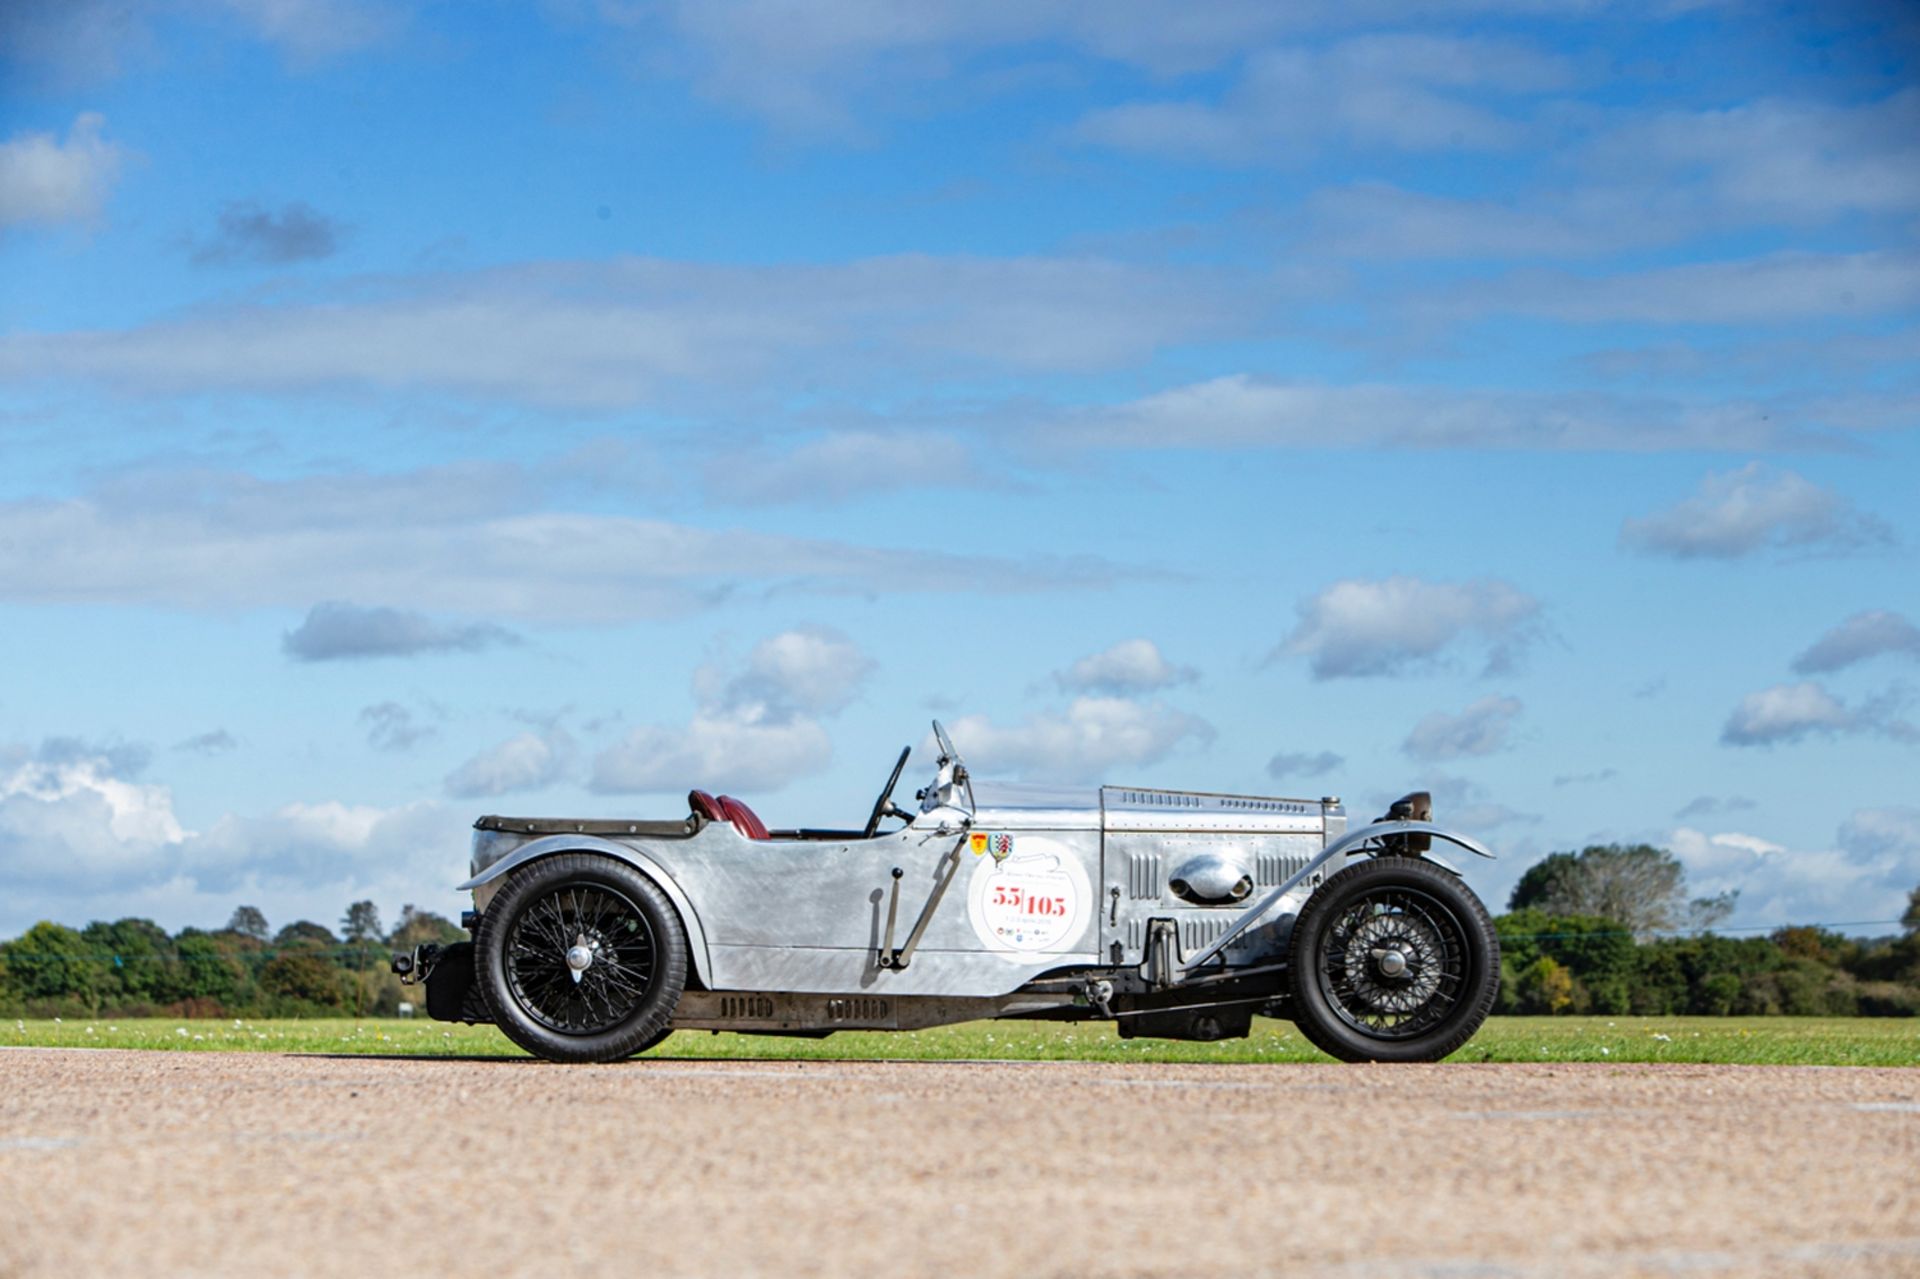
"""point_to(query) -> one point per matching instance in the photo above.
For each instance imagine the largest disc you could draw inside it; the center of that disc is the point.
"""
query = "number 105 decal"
(1037, 900)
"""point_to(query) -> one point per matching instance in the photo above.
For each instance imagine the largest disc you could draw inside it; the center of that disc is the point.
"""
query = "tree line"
(1610, 929)
(134, 967)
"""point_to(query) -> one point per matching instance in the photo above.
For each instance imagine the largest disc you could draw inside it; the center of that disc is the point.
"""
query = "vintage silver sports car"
(1173, 914)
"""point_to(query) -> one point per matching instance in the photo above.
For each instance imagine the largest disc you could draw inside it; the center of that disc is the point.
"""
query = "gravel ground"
(177, 1163)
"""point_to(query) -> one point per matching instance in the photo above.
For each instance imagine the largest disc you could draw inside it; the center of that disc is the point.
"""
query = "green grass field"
(1754, 1040)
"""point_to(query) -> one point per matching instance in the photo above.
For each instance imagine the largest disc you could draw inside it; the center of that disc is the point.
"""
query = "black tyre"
(1393, 960)
(581, 958)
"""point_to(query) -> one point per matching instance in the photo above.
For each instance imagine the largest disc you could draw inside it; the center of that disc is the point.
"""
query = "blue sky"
(416, 410)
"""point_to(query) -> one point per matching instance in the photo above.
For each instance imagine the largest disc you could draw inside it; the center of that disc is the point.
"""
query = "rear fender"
(553, 845)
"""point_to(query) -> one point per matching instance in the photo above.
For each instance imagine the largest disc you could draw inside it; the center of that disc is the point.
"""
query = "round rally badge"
(1032, 898)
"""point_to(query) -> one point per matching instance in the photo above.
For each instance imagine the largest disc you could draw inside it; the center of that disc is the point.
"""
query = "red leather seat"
(705, 805)
(744, 819)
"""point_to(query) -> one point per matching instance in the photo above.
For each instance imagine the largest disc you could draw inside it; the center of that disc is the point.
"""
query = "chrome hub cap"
(579, 959)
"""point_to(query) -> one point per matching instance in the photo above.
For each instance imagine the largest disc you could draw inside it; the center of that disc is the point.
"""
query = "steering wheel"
(884, 806)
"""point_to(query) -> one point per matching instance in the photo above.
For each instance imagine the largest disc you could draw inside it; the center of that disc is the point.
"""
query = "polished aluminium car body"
(1170, 912)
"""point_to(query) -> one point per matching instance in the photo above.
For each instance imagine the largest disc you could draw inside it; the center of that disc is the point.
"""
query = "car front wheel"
(581, 958)
(1394, 959)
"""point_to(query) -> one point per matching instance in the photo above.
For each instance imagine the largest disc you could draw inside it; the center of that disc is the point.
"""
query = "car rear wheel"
(581, 958)
(1394, 959)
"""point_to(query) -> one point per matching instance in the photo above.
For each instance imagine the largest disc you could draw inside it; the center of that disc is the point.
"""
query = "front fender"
(552, 845)
(1354, 841)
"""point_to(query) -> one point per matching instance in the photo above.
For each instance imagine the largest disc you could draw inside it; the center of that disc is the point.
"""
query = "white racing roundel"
(1034, 901)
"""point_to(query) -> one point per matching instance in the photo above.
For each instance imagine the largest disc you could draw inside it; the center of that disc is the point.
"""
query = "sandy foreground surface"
(116, 1162)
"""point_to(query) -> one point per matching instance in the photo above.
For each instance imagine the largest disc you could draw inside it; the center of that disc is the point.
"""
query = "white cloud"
(80, 42)
(1397, 624)
(1757, 507)
(46, 180)
(527, 761)
(755, 730)
(839, 466)
(1238, 411)
(76, 817)
(80, 839)
(715, 752)
(1865, 878)
(835, 66)
(1654, 179)
(1128, 668)
(305, 845)
(1860, 638)
(1797, 162)
(311, 31)
(810, 670)
(1399, 91)
(1774, 288)
(1480, 729)
(1788, 713)
(1092, 736)
(448, 539)
(613, 334)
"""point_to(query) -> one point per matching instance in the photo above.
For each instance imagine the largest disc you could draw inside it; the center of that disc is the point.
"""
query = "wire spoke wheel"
(1394, 963)
(1393, 959)
(580, 958)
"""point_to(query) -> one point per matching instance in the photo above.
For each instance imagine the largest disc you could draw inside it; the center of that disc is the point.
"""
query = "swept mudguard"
(554, 844)
(1354, 841)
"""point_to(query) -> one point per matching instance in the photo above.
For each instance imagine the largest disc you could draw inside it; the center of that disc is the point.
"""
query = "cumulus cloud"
(1397, 91)
(1864, 878)
(1787, 713)
(69, 814)
(1130, 667)
(435, 540)
(335, 631)
(755, 729)
(527, 761)
(46, 180)
(1757, 507)
(1393, 625)
(1480, 729)
(810, 670)
(250, 235)
(1861, 637)
(81, 837)
(1289, 764)
(1080, 743)
(392, 727)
